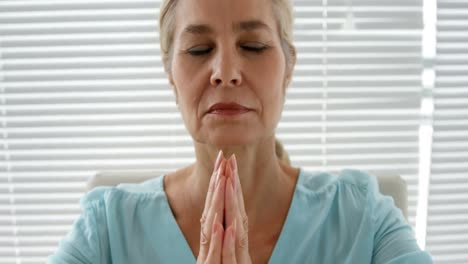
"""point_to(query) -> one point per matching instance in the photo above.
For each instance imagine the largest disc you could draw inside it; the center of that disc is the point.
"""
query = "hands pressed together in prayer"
(224, 204)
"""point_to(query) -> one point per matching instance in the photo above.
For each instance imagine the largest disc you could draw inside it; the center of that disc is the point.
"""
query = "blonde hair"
(281, 152)
(283, 12)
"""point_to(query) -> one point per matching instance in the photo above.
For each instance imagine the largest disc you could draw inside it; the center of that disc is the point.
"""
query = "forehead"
(224, 15)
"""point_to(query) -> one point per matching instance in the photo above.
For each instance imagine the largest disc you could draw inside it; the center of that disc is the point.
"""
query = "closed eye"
(204, 50)
(258, 48)
(199, 51)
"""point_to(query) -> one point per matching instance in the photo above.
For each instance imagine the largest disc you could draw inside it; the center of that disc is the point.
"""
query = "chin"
(232, 138)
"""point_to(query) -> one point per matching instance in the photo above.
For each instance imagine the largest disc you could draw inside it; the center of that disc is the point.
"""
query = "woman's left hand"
(236, 236)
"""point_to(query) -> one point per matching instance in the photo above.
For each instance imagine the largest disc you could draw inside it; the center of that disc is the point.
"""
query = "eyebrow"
(198, 29)
(250, 25)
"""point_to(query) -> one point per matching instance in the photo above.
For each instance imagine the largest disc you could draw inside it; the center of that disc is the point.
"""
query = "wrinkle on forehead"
(249, 25)
(220, 15)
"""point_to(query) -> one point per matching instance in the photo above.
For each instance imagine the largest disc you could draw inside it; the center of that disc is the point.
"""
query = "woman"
(229, 63)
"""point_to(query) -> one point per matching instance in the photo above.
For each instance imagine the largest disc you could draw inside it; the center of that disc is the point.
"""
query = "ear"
(289, 72)
(292, 64)
(174, 89)
(170, 78)
(287, 80)
(176, 95)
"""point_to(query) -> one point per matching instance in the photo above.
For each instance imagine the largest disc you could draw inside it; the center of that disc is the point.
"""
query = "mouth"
(229, 111)
(230, 108)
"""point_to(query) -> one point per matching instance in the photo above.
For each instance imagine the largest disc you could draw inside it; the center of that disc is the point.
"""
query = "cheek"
(184, 75)
(269, 78)
(269, 68)
(189, 81)
(181, 67)
(273, 95)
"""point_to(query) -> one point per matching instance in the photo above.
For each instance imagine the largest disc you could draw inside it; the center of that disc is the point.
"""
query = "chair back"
(390, 185)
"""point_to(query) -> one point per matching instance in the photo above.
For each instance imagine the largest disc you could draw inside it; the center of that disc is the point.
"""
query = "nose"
(226, 70)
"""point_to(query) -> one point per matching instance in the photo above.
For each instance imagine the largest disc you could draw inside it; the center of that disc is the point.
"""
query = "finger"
(242, 232)
(214, 175)
(218, 159)
(234, 215)
(229, 250)
(204, 234)
(211, 193)
(214, 255)
(242, 240)
(237, 186)
(211, 186)
(230, 198)
(217, 204)
(215, 207)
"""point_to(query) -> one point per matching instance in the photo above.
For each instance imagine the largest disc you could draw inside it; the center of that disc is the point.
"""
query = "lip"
(228, 108)
(229, 112)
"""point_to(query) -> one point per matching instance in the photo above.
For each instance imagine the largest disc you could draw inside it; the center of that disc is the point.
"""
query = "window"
(82, 90)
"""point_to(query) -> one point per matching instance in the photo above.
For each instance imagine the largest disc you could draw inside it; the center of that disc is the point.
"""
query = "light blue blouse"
(333, 218)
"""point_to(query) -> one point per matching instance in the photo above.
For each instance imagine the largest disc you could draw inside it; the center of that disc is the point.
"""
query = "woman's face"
(228, 51)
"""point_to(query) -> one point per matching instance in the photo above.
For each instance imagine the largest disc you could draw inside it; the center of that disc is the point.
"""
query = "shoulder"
(105, 194)
(321, 181)
(347, 192)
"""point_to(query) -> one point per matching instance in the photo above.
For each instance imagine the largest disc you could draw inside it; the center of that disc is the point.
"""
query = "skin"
(236, 56)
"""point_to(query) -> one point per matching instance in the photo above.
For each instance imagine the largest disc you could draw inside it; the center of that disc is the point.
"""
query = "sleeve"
(81, 245)
(394, 241)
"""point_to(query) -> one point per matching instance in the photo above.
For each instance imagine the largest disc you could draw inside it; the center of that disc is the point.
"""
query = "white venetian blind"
(83, 90)
(447, 227)
(355, 98)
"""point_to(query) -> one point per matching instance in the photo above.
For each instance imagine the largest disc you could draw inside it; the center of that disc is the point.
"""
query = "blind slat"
(84, 91)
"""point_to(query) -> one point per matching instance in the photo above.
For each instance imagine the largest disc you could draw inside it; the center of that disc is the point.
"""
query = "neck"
(261, 174)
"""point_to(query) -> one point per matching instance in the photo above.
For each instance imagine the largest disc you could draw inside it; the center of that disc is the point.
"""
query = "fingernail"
(217, 179)
(231, 161)
(212, 183)
(230, 172)
(233, 183)
(235, 172)
(235, 162)
(218, 159)
(219, 173)
(228, 169)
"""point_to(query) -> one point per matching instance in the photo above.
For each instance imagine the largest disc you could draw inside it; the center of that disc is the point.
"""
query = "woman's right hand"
(212, 230)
